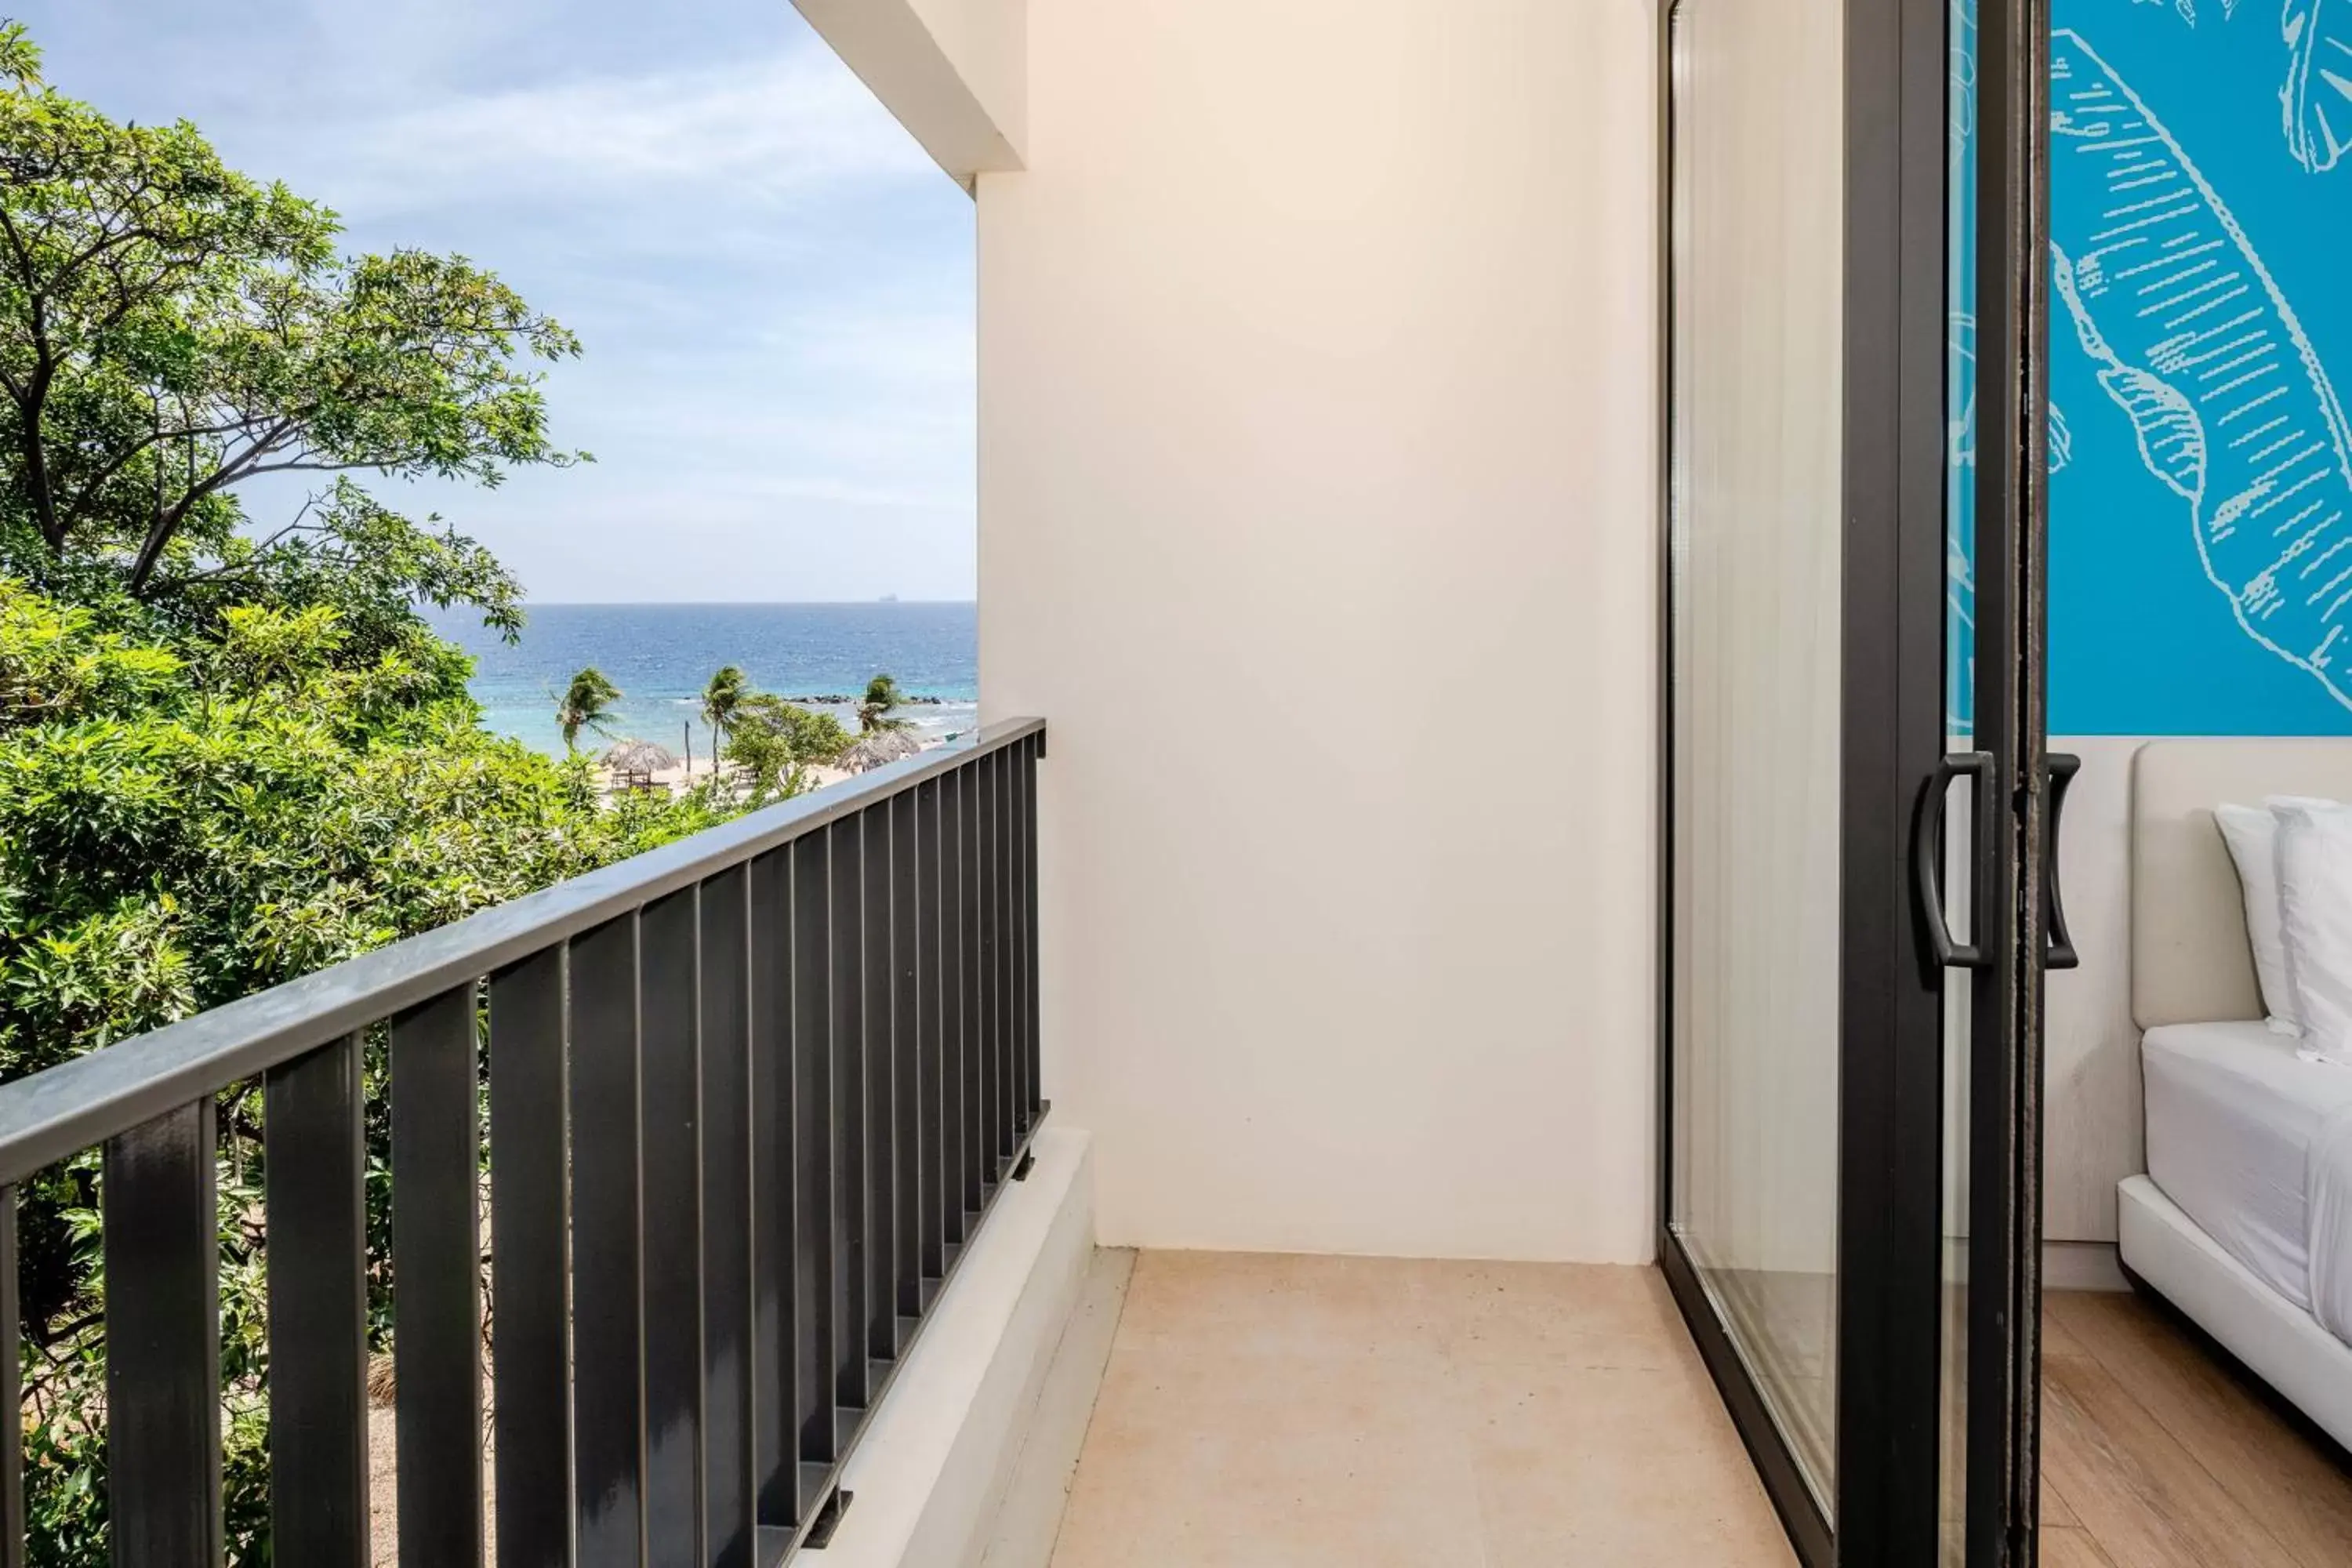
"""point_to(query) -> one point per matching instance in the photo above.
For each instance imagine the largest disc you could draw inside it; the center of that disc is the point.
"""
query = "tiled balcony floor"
(1286, 1412)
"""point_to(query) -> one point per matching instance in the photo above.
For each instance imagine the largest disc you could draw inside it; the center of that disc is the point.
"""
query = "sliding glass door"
(1855, 791)
(1757, 673)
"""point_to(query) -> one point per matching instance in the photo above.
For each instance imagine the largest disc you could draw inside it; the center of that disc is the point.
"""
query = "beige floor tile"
(1275, 1411)
(1588, 1316)
(1278, 1302)
(1627, 1466)
(1210, 1455)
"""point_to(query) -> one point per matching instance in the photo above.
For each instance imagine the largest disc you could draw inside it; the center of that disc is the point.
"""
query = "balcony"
(752, 1099)
(1318, 360)
(783, 1262)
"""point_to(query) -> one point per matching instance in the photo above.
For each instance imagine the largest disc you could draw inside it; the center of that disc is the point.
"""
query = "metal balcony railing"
(748, 1096)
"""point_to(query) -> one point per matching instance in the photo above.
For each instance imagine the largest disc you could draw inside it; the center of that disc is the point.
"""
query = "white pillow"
(2315, 891)
(2252, 834)
(2274, 804)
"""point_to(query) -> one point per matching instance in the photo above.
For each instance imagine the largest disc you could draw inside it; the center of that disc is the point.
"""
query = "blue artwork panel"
(2200, 526)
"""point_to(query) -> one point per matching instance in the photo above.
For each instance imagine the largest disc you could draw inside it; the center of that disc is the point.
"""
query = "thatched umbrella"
(877, 749)
(638, 757)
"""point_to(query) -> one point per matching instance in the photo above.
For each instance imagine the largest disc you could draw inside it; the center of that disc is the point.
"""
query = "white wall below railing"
(930, 1474)
(1317, 509)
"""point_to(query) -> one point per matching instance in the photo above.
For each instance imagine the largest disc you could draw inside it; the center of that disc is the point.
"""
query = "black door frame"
(2012, 724)
(1895, 445)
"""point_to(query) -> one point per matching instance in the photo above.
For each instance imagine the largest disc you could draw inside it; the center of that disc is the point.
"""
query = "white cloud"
(757, 132)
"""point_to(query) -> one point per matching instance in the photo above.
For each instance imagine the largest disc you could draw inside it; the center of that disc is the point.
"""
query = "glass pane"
(1756, 541)
(1959, 686)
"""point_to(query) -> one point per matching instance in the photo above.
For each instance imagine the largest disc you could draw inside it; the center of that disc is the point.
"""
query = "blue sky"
(773, 282)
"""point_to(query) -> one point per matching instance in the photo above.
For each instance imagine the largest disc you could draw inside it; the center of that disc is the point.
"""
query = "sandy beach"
(681, 776)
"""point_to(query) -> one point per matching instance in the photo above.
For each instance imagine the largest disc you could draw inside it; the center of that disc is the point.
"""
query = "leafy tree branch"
(171, 330)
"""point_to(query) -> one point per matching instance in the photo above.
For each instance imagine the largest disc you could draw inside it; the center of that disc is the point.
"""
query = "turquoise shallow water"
(661, 655)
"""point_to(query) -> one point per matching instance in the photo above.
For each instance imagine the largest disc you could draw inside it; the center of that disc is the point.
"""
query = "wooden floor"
(2159, 1453)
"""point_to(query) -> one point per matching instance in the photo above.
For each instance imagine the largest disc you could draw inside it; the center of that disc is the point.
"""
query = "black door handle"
(1926, 845)
(2061, 954)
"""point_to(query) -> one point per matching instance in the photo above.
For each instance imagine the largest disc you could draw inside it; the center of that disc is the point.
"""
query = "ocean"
(660, 655)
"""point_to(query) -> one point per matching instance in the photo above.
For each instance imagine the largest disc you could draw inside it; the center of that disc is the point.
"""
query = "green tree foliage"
(231, 814)
(775, 744)
(231, 749)
(171, 330)
(720, 699)
(20, 57)
(184, 821)
(586, 705)
(878, 708)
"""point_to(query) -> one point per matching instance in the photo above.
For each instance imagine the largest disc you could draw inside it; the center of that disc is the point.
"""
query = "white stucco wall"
(1317, 516)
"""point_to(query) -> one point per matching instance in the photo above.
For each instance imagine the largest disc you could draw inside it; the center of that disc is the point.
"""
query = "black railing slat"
(670, 1085)
(1000, 768)
(315, 1179)
(814, 1250)
(929, 1078)
(12, 1455)
(992, 1142)
(852, 1273)
(163, 1342)
(730, 1478)
(1032, 1081)
(1016, 904)
(906, 1062)
(881, 1113)
(1014, 950)
(979, 1164)
(437, 1282)
(775, 1220)
(956, 1197)
(607, 1252)
(530, 1290)
(1008, 945)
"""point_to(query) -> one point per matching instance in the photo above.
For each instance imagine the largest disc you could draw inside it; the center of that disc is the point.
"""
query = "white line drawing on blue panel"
(1960, 90)
(2197, 345)
(2316, 101)
(2186, 9)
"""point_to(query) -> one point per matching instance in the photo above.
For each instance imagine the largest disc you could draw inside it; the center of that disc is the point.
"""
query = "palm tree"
(720, 699)
(587, 704)
(874, 710)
